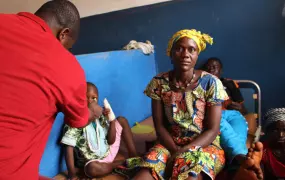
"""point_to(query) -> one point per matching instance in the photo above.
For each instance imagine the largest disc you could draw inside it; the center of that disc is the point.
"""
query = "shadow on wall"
(249, 36)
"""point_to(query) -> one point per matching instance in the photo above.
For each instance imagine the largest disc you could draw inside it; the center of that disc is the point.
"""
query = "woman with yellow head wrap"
(186, 106)
(199, 38)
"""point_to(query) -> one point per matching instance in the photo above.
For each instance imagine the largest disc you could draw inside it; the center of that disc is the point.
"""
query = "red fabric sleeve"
(75, 109)
(72, 88)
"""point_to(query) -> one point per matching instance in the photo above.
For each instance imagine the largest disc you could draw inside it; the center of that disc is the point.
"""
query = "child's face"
(92, 94)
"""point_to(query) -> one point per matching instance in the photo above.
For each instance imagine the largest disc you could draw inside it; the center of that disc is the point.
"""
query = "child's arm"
(108, 112)
(69, 158)
(69, 139)
(111, 136)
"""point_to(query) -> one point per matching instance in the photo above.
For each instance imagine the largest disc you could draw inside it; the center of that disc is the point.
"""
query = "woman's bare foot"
(250, 168)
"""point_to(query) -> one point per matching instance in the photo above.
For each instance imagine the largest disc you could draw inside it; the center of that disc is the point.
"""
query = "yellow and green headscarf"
(197, 36)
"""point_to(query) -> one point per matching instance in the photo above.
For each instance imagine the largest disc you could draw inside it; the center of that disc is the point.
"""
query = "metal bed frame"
(257, 97)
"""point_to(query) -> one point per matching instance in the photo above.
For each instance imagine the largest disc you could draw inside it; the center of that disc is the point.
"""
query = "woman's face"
(184, 54)
(276, 133)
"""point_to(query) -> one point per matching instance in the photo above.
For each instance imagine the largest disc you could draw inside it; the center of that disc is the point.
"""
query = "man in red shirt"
(39, 77)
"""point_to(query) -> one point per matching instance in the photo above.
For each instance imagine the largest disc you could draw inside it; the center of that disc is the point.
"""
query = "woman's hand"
(159, 117)
(171, 161)
(169, 167)
(74, 177)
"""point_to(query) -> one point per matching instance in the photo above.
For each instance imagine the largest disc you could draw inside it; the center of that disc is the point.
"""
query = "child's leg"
(102, 167)
(143, 174)
(97, 169)
(128, 136)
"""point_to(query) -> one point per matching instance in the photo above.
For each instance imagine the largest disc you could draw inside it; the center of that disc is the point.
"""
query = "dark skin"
(215, 68)
(276, 139)
(67, 37)
(98, 169)
(92, 96)
(250, 168)
(184, 56)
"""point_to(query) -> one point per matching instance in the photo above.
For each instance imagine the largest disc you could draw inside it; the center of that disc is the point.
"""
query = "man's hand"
(95, 110)
(106, 112)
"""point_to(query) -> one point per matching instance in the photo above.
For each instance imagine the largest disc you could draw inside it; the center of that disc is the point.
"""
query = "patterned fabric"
(210, 160)
(77, 138)
(185, 112)
(274, 115)
(199, 38)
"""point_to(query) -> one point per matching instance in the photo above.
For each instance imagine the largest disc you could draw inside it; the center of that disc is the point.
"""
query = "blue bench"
(121, 77)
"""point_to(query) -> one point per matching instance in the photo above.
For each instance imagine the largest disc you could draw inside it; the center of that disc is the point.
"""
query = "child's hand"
(110, 115)
(106, 113)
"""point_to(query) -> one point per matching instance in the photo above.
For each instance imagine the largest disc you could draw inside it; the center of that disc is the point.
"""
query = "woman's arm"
(211, 126)
(162, 133)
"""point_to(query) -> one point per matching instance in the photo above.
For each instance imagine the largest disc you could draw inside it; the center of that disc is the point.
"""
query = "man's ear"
(63, 33)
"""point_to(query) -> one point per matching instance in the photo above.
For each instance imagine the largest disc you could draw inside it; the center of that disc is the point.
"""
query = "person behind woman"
(235, 103)
(215, 66)
(233, 124)
(186, 109)
(273, 158)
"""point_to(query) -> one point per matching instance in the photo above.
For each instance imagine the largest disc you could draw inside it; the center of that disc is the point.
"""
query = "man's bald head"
(63, 18)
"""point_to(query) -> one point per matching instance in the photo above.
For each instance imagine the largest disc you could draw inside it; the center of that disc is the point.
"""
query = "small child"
(96, 145)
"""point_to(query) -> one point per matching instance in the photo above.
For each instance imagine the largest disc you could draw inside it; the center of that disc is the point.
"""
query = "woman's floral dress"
(185, 112)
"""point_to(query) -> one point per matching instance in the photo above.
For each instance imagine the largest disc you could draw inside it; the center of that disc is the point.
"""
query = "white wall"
(86, 7)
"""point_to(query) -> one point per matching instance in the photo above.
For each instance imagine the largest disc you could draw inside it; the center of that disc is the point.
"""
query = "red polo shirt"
(38, 79)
